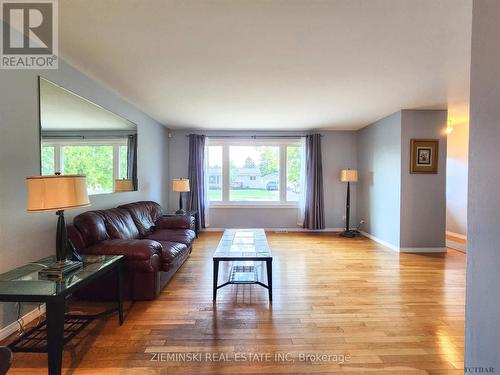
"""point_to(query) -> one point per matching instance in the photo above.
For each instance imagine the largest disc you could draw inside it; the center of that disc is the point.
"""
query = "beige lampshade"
(124, 185)
(180, 185)
(56, 192)
(349, 175)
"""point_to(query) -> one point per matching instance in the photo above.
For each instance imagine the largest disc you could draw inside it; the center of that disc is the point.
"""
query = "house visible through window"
(254, 171)
(101, 161)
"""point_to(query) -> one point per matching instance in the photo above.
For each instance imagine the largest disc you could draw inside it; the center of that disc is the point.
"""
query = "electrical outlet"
(343, 218)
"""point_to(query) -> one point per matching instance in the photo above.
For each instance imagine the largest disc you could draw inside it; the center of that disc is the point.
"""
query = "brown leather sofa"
(154, 247)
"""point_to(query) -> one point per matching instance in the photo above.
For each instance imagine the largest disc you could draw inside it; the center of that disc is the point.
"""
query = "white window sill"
(253, 205)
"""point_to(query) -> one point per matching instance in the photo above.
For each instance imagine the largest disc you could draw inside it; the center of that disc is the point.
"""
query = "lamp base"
(59, 269)
(350, 233)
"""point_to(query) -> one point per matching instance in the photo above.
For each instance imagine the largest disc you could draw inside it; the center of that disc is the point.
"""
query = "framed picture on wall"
(424, 156)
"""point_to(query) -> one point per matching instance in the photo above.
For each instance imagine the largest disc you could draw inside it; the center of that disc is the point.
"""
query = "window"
(246, 164)
(254, 171)
(93, 158)
(215, 173)
(293, 173)
(123, 165)
(48, 160)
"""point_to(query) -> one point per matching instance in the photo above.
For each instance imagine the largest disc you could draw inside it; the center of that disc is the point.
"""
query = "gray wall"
(482, 323)
(379, 186)
(27, 237)
(407, 211)
(423, 196)
(339, 152)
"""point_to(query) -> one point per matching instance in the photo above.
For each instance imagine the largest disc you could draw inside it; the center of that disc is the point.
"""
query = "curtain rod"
(85, 136)
(252, 136)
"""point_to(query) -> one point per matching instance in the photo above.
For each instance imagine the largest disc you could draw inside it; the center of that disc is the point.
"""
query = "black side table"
(193, 213)
(23, 284)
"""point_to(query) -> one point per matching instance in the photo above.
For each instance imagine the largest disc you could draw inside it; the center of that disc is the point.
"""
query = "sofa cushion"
(175, 222)
(92, 227)
(184, 236)
(171, 251)
(119, 224)
(144, 215)
(131, 249)
(75, 237)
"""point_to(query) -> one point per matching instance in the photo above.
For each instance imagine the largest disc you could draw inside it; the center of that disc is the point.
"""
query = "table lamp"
(348, 175)
(180, 185)
(123, 185)
(57, 193)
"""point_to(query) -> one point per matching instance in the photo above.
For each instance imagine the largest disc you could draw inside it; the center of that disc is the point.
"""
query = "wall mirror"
(80, 137)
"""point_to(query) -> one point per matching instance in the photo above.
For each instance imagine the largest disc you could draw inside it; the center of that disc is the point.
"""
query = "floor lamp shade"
(56, 192)
(349, 175)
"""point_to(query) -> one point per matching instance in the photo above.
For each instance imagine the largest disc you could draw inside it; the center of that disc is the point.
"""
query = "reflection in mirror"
(80, 137)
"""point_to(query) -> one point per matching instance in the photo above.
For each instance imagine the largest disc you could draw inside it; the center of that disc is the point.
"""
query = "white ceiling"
(274, 64)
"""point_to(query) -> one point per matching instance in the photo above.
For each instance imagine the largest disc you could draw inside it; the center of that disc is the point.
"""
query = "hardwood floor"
(387, 313)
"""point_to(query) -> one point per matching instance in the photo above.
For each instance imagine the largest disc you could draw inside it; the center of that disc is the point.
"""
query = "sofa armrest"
(132, 249)
(175, 222)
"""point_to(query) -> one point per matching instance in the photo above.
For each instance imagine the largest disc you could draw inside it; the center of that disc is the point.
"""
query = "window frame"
(58, 144)
(226, 143)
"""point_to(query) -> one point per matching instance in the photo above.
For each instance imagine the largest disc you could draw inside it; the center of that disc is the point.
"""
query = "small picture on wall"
(424, 155)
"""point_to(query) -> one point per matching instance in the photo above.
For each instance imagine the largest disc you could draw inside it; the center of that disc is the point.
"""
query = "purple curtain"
(314, 214)
(197, 176)
(132, 160)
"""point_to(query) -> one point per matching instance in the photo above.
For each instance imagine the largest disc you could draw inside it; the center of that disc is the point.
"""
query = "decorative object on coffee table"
(424, 156)
(348, 175)
(58, 193)
(180, 185)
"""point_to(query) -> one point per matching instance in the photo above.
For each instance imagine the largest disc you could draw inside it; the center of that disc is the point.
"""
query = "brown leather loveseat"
(154, 247)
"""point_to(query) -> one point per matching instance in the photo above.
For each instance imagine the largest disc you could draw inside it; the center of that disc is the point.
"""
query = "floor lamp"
(348, 175)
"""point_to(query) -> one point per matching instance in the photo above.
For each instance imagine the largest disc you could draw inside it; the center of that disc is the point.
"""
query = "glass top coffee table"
(243, 245)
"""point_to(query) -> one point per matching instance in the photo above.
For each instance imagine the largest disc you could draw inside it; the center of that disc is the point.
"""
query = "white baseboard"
(405, 249)
(457, 235)
(27, 318)
(456, 246)
(423, 250)
(280, 230)
(382, 242)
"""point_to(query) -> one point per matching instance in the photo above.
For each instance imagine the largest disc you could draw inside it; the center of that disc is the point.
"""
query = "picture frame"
(424, 156)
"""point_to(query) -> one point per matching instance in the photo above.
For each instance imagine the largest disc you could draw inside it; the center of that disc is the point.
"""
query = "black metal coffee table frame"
(269, 269)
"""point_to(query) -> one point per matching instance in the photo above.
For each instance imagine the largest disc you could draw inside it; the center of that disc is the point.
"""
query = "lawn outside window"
(254, 173)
